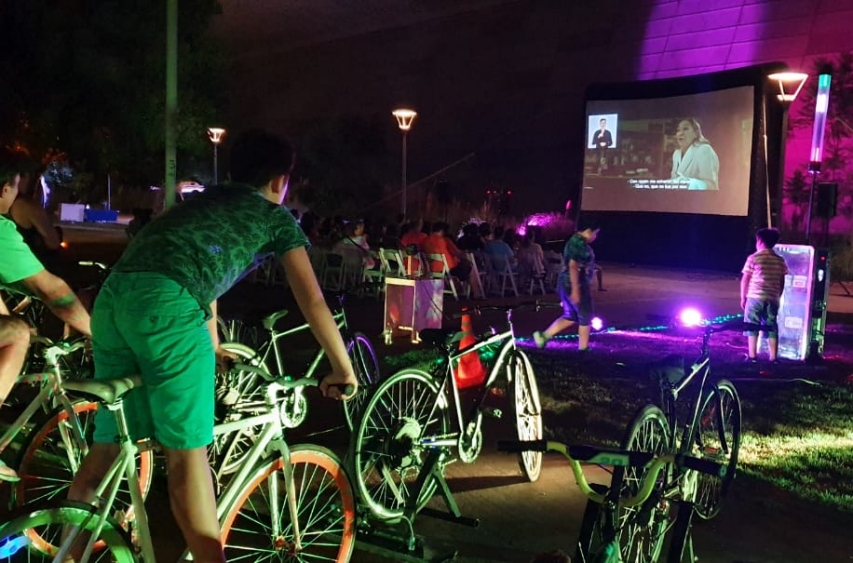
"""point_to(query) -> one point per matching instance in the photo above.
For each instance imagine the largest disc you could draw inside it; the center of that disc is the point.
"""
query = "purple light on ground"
(690, 317)
(596, 323)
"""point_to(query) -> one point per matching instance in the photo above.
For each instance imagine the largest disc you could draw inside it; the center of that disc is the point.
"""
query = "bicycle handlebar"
(617, 458)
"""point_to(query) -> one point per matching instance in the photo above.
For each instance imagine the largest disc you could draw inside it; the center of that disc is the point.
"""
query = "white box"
(72, 212)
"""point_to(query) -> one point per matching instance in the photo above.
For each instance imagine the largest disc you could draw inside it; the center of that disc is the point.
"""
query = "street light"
(405, 117)
(790, 84)
(215, 134)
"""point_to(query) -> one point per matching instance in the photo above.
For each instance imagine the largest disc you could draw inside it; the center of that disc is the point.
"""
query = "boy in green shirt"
(21, 272)
(156, 316)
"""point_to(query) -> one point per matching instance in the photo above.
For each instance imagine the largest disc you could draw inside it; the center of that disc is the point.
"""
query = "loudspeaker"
(827, 199)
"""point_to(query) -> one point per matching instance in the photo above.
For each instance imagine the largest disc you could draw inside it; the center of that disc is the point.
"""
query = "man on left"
(21, 272)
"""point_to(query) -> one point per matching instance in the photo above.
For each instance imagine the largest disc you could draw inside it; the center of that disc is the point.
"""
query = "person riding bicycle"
(156, 316)
(21, 272)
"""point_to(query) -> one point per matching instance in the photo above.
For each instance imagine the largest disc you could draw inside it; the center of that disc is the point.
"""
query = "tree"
(87, 78)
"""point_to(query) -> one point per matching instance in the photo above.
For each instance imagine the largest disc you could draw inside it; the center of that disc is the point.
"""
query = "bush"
(841, 263)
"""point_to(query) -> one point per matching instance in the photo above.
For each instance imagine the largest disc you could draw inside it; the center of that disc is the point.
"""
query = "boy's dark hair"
(11, 165)
(257, 157)
(768, 236)
(439, 226)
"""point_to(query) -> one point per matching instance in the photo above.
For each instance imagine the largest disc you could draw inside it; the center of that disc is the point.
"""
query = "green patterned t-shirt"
(208, 243)
(577, 249)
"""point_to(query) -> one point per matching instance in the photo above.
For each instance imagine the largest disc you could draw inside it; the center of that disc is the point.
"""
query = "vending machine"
(802, 309)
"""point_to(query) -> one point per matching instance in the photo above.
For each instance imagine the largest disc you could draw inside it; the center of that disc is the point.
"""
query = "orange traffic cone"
(470, 372)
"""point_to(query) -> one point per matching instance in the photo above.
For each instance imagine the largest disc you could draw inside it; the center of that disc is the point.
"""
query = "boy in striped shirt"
(760, 290)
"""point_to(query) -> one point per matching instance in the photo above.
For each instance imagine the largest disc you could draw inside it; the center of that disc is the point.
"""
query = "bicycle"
(414, 422)
(54, 445)
(296, 503)
(599, 538)
(711, 430)
(361, 352)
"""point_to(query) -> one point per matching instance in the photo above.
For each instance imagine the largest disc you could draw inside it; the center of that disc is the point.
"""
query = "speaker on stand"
(827, 205)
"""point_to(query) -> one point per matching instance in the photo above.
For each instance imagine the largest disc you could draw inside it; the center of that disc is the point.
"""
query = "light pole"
(405, 117)
(215, 134)
(790, 84)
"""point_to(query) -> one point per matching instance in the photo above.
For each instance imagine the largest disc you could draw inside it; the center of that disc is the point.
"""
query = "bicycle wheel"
(717, 439)
(591, 541)
(366, 366)
(642, 529)
(32, 535)
(234, 390)
(391, 443)
(528, 411)
(258, 525)
(50, 458)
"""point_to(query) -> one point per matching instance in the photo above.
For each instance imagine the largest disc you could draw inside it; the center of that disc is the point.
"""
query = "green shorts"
(144, 323)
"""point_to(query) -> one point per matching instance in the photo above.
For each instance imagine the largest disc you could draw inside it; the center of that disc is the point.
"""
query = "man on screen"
(602, 140)
(694, 162)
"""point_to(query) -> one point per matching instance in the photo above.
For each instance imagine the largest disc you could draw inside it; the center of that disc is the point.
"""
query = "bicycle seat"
(438, 337)
(106, 391)
(670, 369)
(269, 321)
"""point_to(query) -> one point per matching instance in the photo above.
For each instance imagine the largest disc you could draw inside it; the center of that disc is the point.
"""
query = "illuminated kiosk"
(802, 310)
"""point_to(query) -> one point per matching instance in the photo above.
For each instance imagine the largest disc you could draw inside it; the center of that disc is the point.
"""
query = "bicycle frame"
(270, 439)
(271, 344)
(51, 380)
(507, 339)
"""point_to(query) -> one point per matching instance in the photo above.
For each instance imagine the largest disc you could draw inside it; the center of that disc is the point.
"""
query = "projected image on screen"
(682, 154)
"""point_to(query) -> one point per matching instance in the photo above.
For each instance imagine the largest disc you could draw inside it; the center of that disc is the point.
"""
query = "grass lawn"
(797, 420)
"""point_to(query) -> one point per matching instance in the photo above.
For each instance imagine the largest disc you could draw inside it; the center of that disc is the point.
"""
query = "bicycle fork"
(290, 489)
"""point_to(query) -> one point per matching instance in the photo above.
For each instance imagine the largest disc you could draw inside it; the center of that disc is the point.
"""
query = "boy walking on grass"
(573, 289)
(760, 290)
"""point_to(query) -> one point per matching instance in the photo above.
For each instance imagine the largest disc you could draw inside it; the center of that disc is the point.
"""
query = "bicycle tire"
(589, 538)
(366, 365)
(32, 524)
(642, 529)
(46, 470)
(527, 409)
(325, 498)
(404, 408)
(681, 540)
(709, 444)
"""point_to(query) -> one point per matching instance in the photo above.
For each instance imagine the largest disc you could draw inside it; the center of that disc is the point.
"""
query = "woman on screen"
(694, 161)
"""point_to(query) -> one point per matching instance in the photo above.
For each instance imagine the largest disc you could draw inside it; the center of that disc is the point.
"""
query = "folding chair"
(392, 262)
(502, 273)
(449, 284)
(334, 272)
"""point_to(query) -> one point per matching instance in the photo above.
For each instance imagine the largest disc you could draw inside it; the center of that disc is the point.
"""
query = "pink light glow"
(596, 323)
(690, 317)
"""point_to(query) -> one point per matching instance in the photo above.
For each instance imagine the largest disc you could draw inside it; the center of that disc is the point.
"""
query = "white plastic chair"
(449, 284)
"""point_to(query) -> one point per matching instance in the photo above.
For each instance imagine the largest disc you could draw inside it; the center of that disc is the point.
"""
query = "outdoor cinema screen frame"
(662, 194)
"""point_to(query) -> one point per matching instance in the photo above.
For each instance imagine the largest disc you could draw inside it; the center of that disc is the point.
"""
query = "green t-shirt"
(17, 261)
(209, 242)
(578, 250)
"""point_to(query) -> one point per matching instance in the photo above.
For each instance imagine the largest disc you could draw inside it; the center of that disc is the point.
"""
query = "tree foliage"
(86, 78)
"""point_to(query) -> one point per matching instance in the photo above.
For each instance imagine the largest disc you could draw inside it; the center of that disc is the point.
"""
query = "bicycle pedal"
(491, 412)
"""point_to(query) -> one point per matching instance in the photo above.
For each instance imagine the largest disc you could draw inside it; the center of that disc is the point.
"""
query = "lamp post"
(790, 84)
(215, 134)
(405, 117)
